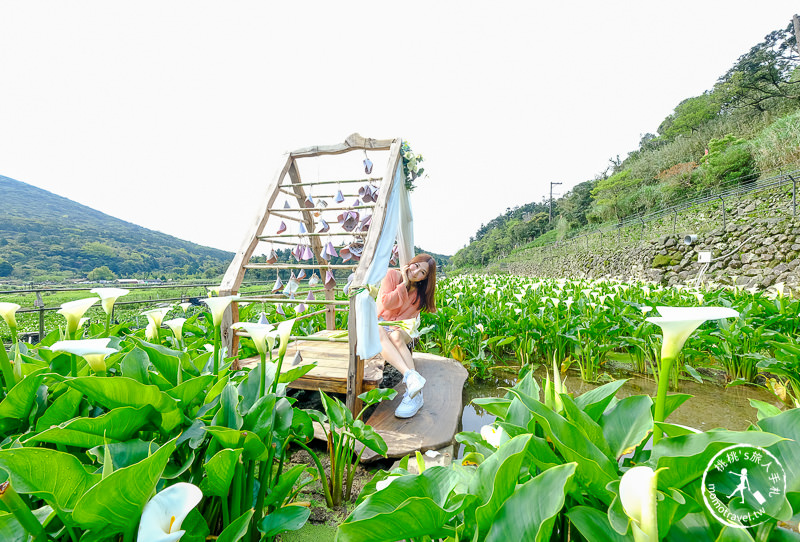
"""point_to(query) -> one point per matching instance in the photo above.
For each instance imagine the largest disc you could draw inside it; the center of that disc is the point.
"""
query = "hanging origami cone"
(300, 308)
(324, 227)
(344, 254)
(356, 203)
(291, 287)
(301, 275)
(296, 252)
(309, 203)
(307, 253)
(303, 230)
(279, 310)
(297, 358)
(286, 205)
(272, 257)
(365, 224)
(349, 220)
(330, 281)
(310, 297)
(321, 204)
(363, 191)
(339, 196)
(330, 251)
(356, 249)
(262, 319)
(314, 280)
(282, 227)
(278, 285)
(367, 166)
(347, 286)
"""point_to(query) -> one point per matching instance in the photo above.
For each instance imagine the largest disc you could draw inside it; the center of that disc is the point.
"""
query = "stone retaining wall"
(759, 245)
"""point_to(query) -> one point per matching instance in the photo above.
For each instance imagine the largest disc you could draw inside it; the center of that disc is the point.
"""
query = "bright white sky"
(173, 114)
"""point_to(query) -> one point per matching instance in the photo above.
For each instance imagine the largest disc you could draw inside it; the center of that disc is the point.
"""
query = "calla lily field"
(113, 432)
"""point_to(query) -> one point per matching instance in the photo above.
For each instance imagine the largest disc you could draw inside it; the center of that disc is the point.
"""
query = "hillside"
(745, 128)
(44, 236)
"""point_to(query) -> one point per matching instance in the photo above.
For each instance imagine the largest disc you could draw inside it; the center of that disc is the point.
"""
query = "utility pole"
(551, 202)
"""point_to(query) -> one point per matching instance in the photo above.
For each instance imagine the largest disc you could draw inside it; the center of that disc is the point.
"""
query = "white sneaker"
(409, 405)
(414, 382)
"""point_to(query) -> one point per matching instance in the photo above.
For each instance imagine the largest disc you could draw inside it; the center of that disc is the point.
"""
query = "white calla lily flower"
(218, 305)
(109, 296)
(184, 306)
(9, 313)
(263, 335)
(156, 316)
(284, 332)
(176, 325)
(678, 323)
(494, 435)
(163, 515)
(94, 351)
(73, 311)
(637, 493)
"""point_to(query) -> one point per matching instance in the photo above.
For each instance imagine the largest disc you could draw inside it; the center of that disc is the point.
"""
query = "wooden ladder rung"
(298, 266)
(290, 235)
(257, 299)
(275, 211)
(344, 181)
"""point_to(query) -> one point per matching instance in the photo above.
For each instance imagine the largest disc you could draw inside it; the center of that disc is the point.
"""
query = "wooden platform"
(330, 374)
(435, 425)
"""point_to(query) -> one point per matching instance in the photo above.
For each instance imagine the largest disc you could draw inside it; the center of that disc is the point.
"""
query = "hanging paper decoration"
(301, 275)
(321, 204)
(330, 281)
(279, 309)
(282, 227)
(272, 257)
(365, 224)
(278, 285)
(367, 166)
(329, 251)
(344, 254)
(347, 286)
(297, 358)
(296, 252)
(339, 196)
(292, 286)
(306, 253)
(324, 227)
(309, 203)
(395, 252)
(349, 220)
(356, 203)
(262, 319)
(356, 250)
(314, 280)
(286, 205)
(300, 308)
(310, 297)
(303, 230)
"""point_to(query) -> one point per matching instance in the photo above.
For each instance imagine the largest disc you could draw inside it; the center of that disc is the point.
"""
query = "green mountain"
(48, 237)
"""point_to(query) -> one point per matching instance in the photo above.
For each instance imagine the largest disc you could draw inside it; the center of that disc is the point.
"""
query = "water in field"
(711, 406)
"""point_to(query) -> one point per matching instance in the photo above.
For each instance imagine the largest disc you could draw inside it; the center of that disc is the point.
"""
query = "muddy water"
(710, 406)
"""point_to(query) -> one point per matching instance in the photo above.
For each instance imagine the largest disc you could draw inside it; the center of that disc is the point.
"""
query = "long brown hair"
(426, 288)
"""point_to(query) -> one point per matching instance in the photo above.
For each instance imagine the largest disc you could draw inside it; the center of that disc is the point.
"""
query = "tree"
(689, 115)
(5, 268)
(101, 273)
(765, 76)
(610, 193)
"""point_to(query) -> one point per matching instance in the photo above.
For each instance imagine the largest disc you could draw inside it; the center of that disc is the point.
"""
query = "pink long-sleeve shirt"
(395, 302)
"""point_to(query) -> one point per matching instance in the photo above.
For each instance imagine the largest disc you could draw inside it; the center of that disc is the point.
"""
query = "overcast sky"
(174, 114)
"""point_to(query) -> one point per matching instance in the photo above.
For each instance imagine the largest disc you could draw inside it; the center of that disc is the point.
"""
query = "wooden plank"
(435, 425)
(233, 276)
(352, 143)
(355, 366)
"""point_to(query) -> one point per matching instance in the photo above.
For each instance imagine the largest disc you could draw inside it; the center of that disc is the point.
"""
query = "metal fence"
(725, 193)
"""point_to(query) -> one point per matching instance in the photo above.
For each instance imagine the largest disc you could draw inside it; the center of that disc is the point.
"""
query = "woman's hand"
(404, 273)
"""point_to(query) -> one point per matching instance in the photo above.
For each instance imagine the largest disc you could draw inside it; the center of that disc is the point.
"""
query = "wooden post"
(355, 370)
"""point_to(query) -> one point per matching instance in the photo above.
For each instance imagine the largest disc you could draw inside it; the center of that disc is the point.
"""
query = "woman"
(403, 294)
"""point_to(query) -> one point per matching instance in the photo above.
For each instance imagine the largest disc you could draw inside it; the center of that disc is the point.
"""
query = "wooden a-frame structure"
(308, 214)
(338, 367)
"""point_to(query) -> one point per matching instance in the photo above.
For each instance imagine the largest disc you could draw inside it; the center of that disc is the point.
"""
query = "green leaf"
(119, 424)
(122, 391)
(237, 529)
(673, 401)
(228, 413)
(530, 512)
(295, 372)
(12, 531)
(787, 425)
(765, 410)
(188, 390)
(219, 472)
(17, 404)
(64, 408)
(369, 437)
(231, 438)
(277, 494)
(594, 525)
(57, 477)
(134, 365)
(124, 454)
(496, 406)
(115, 503)
(628, 423)
(594, 402)
(376, 395)
(165, 360)
(288, 518)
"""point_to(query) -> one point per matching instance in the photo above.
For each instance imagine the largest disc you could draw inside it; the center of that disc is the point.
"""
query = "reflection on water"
(710, 406)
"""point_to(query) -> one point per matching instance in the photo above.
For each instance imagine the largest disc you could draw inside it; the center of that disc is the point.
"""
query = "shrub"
(778, 144)
(728, 159)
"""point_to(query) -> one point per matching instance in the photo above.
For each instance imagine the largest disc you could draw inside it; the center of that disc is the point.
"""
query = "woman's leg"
(401, 339)
(397, 356)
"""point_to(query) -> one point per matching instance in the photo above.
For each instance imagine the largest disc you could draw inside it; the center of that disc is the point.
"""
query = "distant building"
(128, 281)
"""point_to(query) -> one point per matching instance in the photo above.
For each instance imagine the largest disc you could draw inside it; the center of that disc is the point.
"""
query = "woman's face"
(417, 271)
